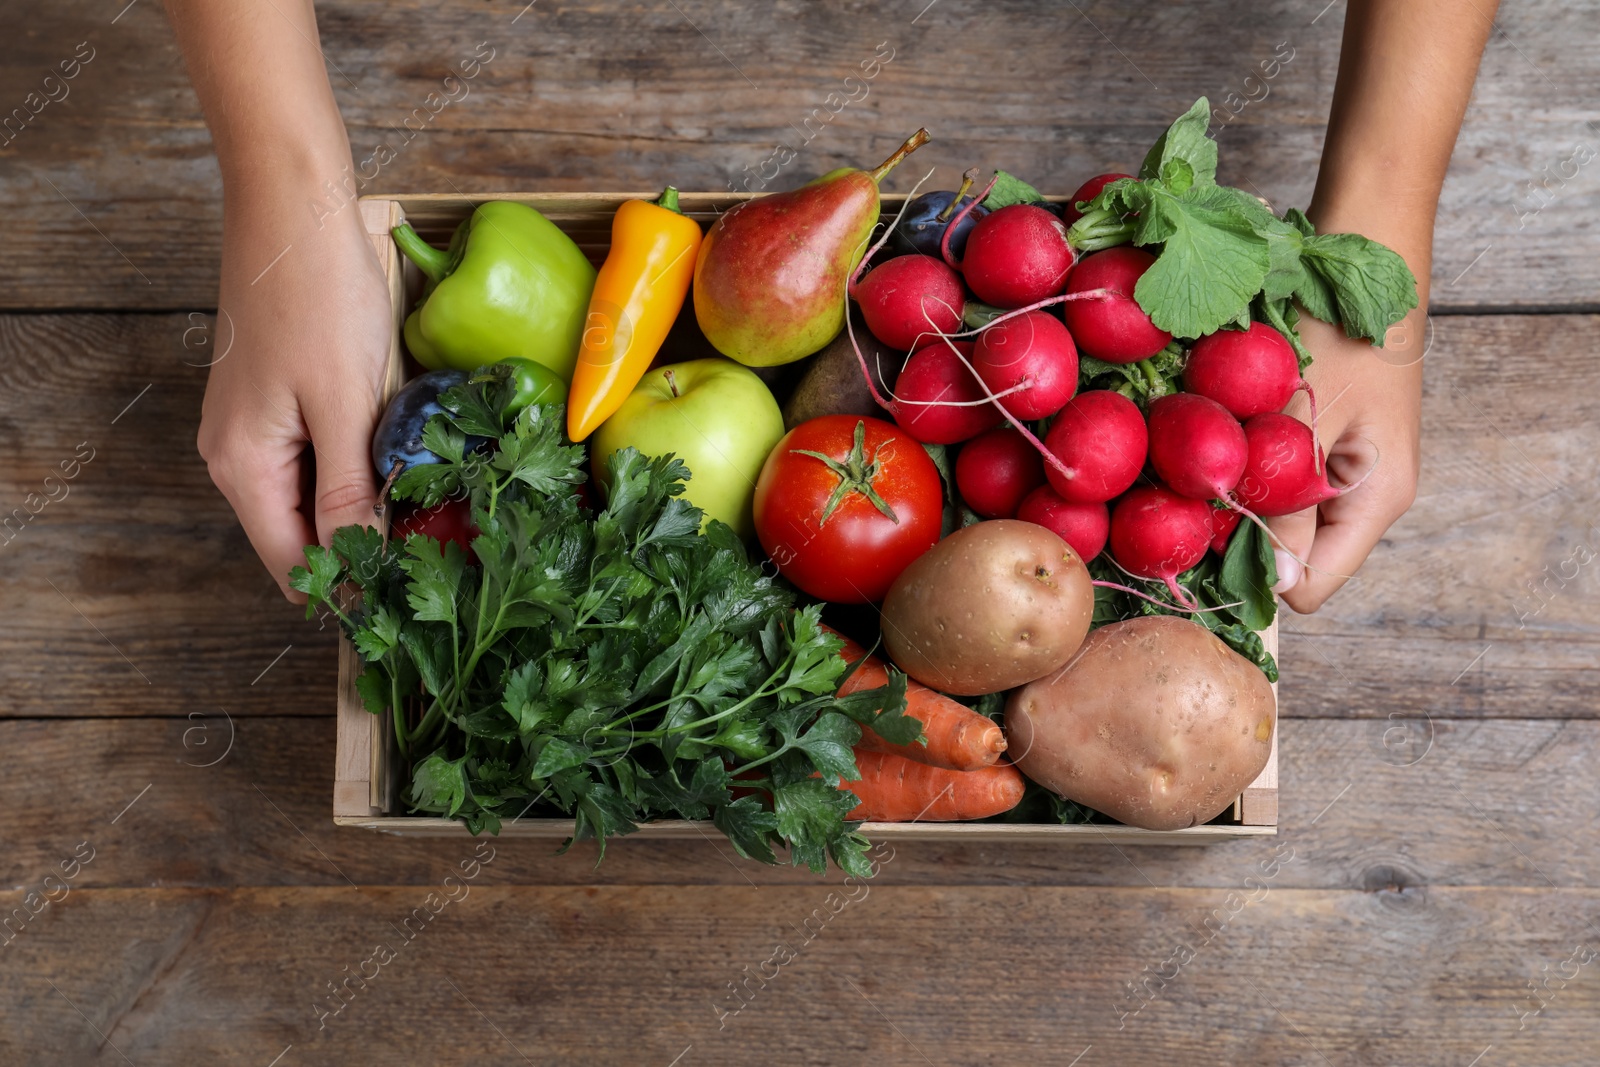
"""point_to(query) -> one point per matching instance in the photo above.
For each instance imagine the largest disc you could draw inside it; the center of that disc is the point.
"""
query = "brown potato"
(1155, 722)
(990, 607)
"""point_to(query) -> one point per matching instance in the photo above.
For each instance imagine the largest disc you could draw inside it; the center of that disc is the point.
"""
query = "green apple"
(716, 416)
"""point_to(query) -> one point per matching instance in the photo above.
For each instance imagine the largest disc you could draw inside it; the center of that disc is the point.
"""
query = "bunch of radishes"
(1157, 484)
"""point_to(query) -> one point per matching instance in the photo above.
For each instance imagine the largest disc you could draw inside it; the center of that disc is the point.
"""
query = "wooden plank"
(135, 591)
(1367, 804)
(999, 833)
(144, 547)
(115, 201)
(1267, 975)
(1481, 591)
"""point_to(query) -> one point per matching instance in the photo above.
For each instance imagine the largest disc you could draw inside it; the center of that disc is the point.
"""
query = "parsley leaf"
(811, 815)
(749, 828)
(828, 745)
(439, 785)
(614, 666)
(319, 579)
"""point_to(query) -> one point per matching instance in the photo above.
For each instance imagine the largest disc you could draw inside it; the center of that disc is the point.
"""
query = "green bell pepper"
(510, 284)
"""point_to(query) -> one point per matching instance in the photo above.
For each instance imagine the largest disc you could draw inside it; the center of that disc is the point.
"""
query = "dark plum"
(398, 438)
(922, 226)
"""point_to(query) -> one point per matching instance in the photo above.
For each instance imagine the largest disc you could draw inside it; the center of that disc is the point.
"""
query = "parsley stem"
(349, 626)
(756, 763)
(760, 692)
(455, 650)
(399, 716)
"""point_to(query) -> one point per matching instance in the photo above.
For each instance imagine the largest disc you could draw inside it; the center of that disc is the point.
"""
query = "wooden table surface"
(167, 718)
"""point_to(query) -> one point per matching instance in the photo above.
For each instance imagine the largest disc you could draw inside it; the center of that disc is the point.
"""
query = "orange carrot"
(895, 789)
(958, 737)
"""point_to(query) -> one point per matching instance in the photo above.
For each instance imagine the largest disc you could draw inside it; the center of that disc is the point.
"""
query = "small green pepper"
(511, 284)
(531, 383)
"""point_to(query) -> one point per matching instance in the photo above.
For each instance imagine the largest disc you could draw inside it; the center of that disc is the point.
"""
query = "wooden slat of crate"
(366, 777)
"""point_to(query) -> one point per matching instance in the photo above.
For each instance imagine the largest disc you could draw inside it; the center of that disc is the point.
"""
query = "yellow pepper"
(637, 297)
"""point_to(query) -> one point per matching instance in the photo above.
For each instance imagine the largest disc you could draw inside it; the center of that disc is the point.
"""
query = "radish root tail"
(966, 209)
(1311, 398)
(861, 268)
(1162, 603)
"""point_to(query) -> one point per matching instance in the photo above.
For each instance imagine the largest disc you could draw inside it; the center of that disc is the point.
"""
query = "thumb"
(1292, 536)
(341, 437)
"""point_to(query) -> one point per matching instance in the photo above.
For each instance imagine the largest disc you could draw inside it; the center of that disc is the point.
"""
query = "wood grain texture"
(134, 592)
(610, 975)
(115, 192)
(1434, 876)
(1442, 620)
(1365, 805)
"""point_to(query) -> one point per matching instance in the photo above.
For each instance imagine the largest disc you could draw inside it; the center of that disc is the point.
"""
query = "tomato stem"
(856, 474)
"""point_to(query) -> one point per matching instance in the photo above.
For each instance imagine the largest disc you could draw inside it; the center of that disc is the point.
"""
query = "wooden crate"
(366, 778)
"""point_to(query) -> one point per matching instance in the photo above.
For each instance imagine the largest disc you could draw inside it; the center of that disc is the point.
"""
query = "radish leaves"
(1224, 253)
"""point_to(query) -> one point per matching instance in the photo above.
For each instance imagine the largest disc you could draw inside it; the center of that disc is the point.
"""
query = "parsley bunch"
(619, 666)
(1225, 258)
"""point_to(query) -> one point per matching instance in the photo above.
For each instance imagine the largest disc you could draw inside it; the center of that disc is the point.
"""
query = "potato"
(990, 607)
(1155, 722)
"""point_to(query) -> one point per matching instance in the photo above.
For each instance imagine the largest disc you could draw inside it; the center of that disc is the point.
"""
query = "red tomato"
(817, 518)
(448, 520)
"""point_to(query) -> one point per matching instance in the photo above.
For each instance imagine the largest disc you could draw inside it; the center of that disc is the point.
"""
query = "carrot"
(958, 737)
(895, 789)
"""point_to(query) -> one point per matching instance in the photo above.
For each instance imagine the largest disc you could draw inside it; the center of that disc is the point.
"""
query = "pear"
(769, 284)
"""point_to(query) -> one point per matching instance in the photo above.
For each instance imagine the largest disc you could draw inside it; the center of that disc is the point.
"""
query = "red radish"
(1101, 441)
(1155, 533)
(1083, 526)
(1249, 372)
(1114, 329)
(1281, 471)
(1087, 191)
(938, 400)
(1224, 520)
(1196, 447)
(996, 470)
(1033, 351)
(1015, 256)
(909, 298)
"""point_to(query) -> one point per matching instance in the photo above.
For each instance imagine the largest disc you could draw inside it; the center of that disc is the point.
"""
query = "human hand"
(1369, 422)
(303, 353)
